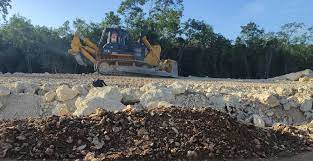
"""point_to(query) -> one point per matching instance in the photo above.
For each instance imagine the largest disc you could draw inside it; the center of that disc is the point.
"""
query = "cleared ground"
(134, 81)
(207, 88)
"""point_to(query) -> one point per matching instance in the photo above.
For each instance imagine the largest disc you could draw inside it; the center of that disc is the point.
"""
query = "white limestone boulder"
(131, 95)
(80, 89)
(306, 105)
(87, 106)
(4, 91)
(26, 87)
(65, 108)
(217, 101)
(78, 102)
(161, 94)
(289, 103)
(61, 109)
(64, 93)
(152, 86)
(50, 96)
(268, 99)
(258, 121)
(106, 93)
(178, 88)
(308, 115)
(232, 101)
(21, 106)
(49, 87)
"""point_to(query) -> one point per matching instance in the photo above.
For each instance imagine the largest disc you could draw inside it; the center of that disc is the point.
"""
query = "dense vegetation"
(198, 49)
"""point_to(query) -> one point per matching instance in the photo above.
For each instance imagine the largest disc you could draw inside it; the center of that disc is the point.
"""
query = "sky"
(226, 16)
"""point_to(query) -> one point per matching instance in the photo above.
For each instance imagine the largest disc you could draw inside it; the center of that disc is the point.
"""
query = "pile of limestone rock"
(302, 76)
(262, 106)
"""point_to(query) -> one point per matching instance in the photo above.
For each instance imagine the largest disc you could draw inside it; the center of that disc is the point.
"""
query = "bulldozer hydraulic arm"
(153, 56)
(88, 56)
(147, 43)
(85, 47)
(90, 44)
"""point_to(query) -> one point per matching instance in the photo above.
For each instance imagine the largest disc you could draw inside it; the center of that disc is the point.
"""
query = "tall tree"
(111, 19)
(310, 35)
(33, 48)
(81, 25)
(65, 30)
(198, 33)
(160, 18)
(167, 14)
(134, 15)
(251, 34)
(4, 6)
(291, 33)
(91, 30)
(19, 33)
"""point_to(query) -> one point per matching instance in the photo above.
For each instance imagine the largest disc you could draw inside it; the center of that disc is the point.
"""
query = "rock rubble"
(158, 134)
(285, 102)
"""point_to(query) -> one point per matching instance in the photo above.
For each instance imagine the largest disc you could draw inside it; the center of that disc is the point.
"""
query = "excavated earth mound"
(155, 134)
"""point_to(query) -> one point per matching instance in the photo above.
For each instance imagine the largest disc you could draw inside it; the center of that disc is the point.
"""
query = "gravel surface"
(129, 81)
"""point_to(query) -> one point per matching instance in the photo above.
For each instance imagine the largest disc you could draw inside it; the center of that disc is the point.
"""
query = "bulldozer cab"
(118, 42)
(116, 35)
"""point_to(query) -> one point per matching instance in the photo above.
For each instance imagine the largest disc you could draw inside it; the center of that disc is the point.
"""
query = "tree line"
(199, 51)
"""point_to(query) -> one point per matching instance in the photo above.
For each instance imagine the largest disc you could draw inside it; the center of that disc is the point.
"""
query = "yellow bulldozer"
(118, 55)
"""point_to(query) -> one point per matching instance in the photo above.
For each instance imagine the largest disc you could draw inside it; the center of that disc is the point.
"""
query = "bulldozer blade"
(80, 60)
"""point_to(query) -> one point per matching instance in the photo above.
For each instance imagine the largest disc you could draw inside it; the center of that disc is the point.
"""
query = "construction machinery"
(120, 55)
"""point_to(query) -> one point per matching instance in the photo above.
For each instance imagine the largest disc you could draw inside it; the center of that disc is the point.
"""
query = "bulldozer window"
(114, 38)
